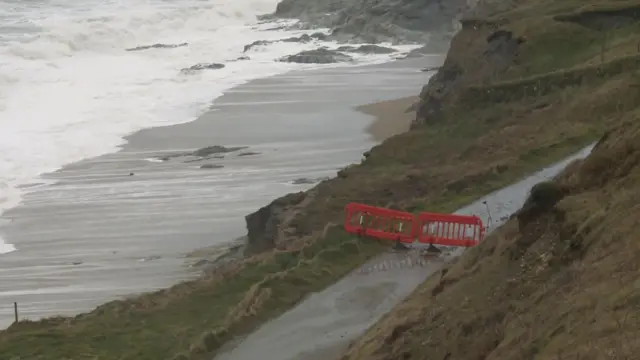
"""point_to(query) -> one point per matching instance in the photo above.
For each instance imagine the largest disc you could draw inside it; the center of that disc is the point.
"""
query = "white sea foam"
(69, 90)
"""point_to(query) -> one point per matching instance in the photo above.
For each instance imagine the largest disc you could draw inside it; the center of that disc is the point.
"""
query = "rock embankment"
(404, 21)
(264, 227)
(494, 55)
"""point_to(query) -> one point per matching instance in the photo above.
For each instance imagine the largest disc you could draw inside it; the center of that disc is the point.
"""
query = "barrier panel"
(380, 223)
(449, 229)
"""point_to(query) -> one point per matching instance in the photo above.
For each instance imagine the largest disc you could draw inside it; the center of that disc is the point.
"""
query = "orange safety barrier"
(381, 223)
(449, 229)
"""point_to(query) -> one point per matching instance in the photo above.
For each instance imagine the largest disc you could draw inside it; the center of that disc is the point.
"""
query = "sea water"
(69, 90)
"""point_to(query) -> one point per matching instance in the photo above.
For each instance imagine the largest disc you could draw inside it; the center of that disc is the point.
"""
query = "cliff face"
(264, 226)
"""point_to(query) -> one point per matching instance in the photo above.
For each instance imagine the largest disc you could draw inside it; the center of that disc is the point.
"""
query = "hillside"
(560, 279)
(525, 83)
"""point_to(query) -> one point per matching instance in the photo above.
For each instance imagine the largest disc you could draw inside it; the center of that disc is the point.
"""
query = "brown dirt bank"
(560, 280)
(500, 108)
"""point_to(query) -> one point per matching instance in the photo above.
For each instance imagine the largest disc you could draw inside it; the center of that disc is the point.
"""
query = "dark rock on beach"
(216, 149)
(211, 166)
(157, 46)
(205, 153)
(249, 153)
(317, 56)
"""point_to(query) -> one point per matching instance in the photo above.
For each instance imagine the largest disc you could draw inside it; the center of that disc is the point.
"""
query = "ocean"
(69, 90)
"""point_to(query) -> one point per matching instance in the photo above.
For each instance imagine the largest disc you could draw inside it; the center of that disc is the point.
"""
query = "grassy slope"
(560, 281)
(480, 145)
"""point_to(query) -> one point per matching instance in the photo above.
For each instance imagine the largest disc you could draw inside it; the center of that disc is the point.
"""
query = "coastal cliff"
(516, 89)
(525, 83)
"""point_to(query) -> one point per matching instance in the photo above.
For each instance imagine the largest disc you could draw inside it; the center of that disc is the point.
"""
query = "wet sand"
(322, 326)
(391, 117)
(99, 234)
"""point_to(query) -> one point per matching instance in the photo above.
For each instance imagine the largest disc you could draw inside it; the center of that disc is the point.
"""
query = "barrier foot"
(434, 250)
(399, 246)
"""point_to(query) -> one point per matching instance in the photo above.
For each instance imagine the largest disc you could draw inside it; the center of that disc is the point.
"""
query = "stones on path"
(413, 258)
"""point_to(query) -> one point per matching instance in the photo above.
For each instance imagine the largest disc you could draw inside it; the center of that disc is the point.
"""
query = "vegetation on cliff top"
(469, 145)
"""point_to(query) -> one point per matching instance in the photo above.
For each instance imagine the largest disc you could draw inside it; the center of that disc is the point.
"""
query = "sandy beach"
(122, 223)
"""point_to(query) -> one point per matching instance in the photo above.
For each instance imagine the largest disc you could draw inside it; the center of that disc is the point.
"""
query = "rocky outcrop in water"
(211, 166)
(305, 38)
(202, 66)
(249, 153)
(205, 153)
(157, 46)
(397, 21)
(317, 56)
(366, 49)
(216, 149)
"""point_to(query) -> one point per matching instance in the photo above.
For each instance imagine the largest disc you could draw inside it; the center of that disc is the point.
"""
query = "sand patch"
(392, 117)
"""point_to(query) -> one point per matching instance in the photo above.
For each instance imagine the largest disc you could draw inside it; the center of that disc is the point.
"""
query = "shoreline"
(116, 228)
(391, 117)
(388, 118)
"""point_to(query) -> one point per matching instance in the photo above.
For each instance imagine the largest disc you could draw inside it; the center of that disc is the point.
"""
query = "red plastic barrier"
(381, 223)
(449, 229)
